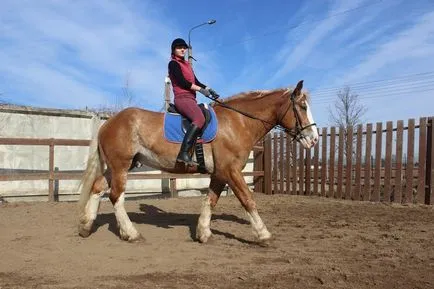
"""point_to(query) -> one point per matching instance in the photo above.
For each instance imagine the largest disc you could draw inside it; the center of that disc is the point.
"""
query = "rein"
(298, 128)
(241, 112)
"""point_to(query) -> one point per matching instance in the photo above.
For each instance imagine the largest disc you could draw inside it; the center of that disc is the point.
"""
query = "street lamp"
(190, 50)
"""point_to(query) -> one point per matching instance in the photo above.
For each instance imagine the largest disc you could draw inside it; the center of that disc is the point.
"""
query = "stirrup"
(189, 161)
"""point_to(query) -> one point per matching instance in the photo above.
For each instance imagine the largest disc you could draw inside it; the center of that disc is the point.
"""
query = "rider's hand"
(213, 93)
(205, 92)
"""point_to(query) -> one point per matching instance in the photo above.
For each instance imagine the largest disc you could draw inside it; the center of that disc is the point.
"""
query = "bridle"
(296, 133)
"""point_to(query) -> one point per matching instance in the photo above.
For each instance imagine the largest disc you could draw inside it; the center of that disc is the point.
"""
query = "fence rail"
(367, 162)
(52, 175)
(391, 163)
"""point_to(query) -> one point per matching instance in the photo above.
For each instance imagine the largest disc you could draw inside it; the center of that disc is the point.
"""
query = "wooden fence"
(381, 166)
(52, 175)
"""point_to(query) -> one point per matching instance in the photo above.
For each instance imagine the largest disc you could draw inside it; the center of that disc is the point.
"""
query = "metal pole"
(166, 92)
(190, 54)
(190, 49)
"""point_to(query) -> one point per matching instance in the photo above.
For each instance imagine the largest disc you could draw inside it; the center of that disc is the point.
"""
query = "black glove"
(205, 92)
(214, 94)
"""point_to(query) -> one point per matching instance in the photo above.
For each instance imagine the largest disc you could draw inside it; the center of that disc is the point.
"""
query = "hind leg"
(127, 230)
(203, 231)
(100, 186)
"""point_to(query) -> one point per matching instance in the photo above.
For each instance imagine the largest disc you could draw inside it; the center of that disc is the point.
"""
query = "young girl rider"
(185, 84)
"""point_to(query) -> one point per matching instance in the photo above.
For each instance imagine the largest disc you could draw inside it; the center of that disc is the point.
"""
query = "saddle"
(186, 122)
(176, 125)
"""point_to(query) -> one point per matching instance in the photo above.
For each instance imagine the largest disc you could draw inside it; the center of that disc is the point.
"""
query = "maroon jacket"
(182, 76)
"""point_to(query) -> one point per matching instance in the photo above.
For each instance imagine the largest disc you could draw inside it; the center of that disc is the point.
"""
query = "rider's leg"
(188, 107)
(187, 144)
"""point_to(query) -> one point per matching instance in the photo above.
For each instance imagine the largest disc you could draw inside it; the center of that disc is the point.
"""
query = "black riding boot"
(189, 140)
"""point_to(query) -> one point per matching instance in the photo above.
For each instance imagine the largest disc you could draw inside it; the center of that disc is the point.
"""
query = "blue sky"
(73, 54)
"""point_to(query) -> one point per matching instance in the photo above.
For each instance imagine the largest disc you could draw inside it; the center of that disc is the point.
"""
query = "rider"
(185, 85)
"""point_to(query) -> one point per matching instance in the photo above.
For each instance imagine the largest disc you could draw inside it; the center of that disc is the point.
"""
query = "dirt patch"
(317, 243)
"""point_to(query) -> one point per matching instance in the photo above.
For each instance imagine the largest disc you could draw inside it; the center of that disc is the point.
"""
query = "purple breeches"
(188, 107)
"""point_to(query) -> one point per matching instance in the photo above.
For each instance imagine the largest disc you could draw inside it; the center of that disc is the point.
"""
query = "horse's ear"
(297, 90)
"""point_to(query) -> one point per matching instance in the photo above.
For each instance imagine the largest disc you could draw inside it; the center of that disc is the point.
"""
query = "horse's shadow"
(152, 215)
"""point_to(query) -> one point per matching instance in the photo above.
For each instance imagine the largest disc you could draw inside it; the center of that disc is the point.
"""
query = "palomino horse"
(138, 134)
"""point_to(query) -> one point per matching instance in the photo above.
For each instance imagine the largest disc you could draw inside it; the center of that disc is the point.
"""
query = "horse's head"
(297, 118)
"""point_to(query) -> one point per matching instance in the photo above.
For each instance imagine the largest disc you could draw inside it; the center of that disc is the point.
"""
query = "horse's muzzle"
(309, 140)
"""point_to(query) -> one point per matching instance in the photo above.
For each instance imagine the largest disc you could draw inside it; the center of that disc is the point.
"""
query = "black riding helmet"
(178, 42)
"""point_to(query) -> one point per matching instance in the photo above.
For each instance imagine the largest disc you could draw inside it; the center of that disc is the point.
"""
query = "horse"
(137, 134)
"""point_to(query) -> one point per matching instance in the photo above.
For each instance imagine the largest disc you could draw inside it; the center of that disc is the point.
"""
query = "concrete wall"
(27, 122)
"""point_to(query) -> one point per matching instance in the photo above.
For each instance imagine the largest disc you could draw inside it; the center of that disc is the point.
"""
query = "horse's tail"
(94, 169)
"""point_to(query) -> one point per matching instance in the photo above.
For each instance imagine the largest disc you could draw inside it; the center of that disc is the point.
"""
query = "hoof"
(204, 239)
(264, 241)
(133, 238)
(138, 239)
(203, 236)
(83, 232)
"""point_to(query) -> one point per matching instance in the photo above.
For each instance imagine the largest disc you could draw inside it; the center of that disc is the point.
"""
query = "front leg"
(241, 190)
(203, 231)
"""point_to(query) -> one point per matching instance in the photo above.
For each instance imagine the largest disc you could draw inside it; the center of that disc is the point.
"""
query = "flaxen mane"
(257, 94)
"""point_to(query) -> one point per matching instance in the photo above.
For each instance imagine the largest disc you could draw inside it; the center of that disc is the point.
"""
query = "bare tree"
(347, 111)
(124, 100)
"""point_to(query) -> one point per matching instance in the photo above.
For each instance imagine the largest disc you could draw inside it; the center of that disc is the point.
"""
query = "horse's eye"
(303, 107)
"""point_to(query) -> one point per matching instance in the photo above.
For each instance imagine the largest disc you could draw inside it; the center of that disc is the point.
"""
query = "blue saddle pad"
(173, 131)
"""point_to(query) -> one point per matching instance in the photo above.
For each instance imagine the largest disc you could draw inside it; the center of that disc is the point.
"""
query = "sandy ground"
(317, 243)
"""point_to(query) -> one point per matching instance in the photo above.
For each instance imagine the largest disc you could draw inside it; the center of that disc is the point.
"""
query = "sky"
(78, 54)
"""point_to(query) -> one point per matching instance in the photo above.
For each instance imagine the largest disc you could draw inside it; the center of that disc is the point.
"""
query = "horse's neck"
(264, 115)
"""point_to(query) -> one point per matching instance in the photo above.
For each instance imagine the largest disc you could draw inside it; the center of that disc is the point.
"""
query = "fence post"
(410, 162)
(332, 154)
(51, 172)
(429, 162)
(258, 165)
(349, 163)
(340, 162)
(275, 186)
(267, 165)
(316, 168)
(288, 162)
(421, 170)
(307, 178)
(377, 169)
(388, 162)
(324, 162)
(172, 188)
(397, 196)
(282, 163)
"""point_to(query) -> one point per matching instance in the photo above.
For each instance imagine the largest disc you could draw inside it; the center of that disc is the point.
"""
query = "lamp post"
(190, 49)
